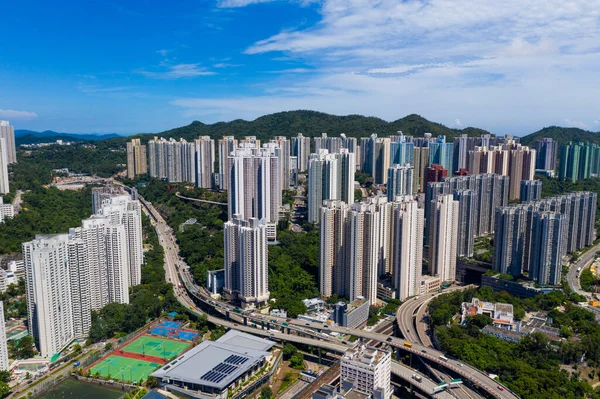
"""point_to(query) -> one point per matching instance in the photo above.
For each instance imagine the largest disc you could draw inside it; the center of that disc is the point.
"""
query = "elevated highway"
(176, 269)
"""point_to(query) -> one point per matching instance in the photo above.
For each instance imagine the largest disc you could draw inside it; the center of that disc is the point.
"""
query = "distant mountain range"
(48, 136)
(311, 124)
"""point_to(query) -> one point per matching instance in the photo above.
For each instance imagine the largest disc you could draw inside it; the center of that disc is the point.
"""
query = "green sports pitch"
(124, 368)
(157, 347)
(81, 390)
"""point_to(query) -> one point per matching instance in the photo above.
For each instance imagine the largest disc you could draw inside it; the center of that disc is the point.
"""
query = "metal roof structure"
(217, 364)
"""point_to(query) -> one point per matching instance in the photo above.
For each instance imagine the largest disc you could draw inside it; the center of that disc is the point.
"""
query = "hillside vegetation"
(562, 135)
(311, 123)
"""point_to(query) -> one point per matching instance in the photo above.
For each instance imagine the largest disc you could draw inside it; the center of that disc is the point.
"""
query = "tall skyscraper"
(136, 158)
(172, 160)
(546, 151)
(99, 269)
(460, 151)
(548, 247)
(467, 209)
(255, 185)
(4, 363)
(205, 162)
(511, 225)
(355, 247)
(400, 181)
(421, 162)
(301, 150)
(284, 160)
(226, 146)
(402, 151)
(127, 212)
(7, 132)
(441, 153)
(531, 190)
(4, 183)
(443, 235)
(330, 176)
(376, 157)
(521, 166)
(246, 261)
(48, 286)
(579, 161)
(332, 248)
(407, 247)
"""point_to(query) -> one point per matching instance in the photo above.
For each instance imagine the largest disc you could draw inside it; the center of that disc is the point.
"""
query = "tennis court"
(170, 324)
(124, 368)
(157, 347)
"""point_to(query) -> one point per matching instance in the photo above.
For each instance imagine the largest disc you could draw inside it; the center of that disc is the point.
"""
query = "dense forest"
(532, 367)
(101, 158)
(45, 211)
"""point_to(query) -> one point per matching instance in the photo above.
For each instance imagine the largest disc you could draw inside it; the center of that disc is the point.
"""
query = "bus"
(238, 310)
(444, 358)
(407, 344)
(285, 324)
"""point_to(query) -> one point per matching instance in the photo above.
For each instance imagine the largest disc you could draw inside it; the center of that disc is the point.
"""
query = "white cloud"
(20, 115)
(510, 66)
(178, 71)
(239, 3)
(244, 3)
(163, 52)
(293, 70)
(457, 123)
(575, 123)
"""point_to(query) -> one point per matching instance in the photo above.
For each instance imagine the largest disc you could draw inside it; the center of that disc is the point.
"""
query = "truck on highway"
(76, 364)
(237, 310)
(407, 344)
(444, 358)
(285, 324)
(578, 269)
(417, 377)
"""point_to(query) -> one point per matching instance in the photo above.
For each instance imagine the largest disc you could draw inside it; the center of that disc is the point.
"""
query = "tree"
(480, 320)
(5, 376)
(4, 389)
(297, 361)
(25, 348)
(152, 382)
(266, 393)
(289, 350)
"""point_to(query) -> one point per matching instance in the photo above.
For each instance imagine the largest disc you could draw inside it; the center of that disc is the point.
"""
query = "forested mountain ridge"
(562, 135)
(312, 123)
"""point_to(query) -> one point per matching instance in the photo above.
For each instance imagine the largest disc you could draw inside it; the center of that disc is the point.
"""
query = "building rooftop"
(243, 340)
(365, 354)
(217, 364)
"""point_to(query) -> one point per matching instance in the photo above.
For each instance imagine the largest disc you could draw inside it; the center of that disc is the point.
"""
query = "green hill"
(312, 123)
(562, 135)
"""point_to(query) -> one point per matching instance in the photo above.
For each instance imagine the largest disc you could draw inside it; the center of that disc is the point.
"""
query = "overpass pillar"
(262, 325)
(320, 360)
(245, 321)
(397, 354)
(268, 326)
(395, 329)
(227, 315)
(288, 330)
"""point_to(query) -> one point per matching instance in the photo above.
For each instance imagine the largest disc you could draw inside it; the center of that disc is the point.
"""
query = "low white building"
(500, 313)
(368, 369)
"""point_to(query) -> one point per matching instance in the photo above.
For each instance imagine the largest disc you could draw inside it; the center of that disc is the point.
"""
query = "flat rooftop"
(217, 364)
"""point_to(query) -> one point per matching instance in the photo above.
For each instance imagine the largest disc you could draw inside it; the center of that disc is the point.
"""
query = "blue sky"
(128, 67)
